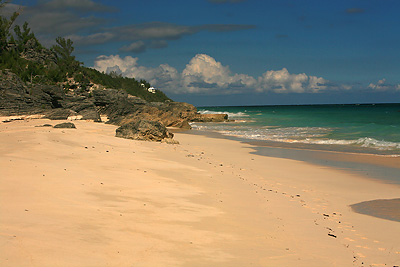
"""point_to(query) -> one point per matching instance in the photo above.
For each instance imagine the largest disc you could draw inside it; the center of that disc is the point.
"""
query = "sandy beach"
(83, 197)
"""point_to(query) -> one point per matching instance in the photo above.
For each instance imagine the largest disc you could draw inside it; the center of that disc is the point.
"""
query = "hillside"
(53, 84)
(22, 54)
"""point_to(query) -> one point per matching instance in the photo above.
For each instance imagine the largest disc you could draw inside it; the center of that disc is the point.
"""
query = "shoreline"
(82, 197)
(383, 168)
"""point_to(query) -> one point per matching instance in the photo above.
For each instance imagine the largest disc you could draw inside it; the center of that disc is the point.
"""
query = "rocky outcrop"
(16, 98)
(14, 95)
(65, 125)
(210, 118)
(144, 130)
(34, 52)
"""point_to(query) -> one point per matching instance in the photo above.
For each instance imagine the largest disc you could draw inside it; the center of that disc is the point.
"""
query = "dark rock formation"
(210, 118)
(68, 125)
(58, 114)
(34, 52)
(144, 130)
(14, 95)
(47, 96)
(16, 98)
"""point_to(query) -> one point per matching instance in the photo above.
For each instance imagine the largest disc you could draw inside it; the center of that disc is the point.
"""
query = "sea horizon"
(310, 104)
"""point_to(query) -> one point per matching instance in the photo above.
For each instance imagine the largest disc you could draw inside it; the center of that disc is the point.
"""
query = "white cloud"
(382, 85)
(203, 74)
(282, 81)
(164, 76)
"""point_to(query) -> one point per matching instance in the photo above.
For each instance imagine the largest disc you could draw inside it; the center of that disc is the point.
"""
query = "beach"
(83, 197)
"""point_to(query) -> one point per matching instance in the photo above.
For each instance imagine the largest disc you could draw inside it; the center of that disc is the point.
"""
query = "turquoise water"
(369, 128)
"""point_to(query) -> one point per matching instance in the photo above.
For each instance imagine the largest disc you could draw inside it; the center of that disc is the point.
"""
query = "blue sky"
(235, 52)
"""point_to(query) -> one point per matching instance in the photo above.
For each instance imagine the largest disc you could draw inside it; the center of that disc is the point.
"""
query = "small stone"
(67, 125)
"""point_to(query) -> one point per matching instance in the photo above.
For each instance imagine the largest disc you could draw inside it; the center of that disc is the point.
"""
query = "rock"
(34, 52)
(14, 95)
(90, 114)
(47, 96)
(58, 114)
(170, 141)
(210, 118)
(69, 125)
(16, 98)
(184, 124)
(144, 130)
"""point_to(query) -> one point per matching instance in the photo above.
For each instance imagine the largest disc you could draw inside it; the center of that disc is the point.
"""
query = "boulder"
(210, 118)
(184, 124)
(90, 114)
(58, 114)
(67, 125)
(144, 130)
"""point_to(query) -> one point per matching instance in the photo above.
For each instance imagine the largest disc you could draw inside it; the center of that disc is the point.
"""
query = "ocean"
(358, 128)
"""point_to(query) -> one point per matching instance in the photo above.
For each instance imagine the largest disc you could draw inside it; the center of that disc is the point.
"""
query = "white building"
(152, 90)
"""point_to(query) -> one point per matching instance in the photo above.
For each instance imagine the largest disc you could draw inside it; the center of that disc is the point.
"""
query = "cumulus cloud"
(382, 85)
(282, 81)
(164, 76)
(203, 74)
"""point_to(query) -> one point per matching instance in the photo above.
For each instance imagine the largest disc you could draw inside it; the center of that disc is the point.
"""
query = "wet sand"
(388, 209)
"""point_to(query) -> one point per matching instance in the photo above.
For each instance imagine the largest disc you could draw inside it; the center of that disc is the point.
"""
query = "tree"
(66, 61)
(5, 26)
(64, 49)
(24, 36)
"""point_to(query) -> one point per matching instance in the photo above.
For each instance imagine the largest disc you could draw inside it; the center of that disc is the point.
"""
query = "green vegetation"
(22, 54)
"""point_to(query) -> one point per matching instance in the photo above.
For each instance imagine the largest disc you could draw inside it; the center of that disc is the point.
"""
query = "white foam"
(363, 142)
(305, 135)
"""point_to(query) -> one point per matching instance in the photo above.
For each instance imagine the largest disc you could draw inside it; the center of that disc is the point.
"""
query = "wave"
(305, 135)
(363, 142)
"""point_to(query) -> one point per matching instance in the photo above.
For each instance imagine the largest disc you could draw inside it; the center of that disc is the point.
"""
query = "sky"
(234, 52)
